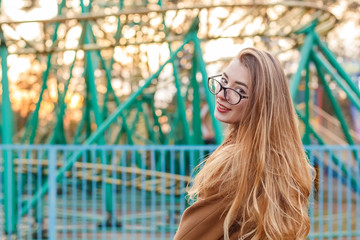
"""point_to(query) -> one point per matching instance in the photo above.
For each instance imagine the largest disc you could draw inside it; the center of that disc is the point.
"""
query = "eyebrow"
(238, 82)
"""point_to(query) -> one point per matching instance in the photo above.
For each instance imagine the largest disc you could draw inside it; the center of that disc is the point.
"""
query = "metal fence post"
(52, 193)
(6, 134)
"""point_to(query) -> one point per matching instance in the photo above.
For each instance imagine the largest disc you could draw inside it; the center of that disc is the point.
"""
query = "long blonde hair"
(261, 170)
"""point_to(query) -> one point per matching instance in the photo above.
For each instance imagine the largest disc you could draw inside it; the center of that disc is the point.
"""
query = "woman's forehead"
(236, 71)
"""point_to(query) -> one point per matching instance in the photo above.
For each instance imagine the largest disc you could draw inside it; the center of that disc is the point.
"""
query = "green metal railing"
(148, 194)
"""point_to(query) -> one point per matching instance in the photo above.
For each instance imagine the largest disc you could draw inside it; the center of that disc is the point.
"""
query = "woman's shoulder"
(202, 220)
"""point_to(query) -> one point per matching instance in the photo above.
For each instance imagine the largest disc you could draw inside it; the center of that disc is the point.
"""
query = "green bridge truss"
(112, 46)
(106, 66)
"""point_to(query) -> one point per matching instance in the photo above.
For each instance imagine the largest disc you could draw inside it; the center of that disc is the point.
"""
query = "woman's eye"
(240, 90)
(223, 80)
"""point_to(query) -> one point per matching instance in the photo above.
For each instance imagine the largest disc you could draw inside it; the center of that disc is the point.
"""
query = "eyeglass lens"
(231, 95)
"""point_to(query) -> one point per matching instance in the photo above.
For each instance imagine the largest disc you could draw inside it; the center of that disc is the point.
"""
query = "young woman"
(257, 183)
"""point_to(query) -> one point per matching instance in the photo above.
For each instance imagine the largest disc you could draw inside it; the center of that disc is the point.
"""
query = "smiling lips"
(221, 108)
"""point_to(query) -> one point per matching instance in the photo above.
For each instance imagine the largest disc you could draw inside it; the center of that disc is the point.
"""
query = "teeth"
(221, 107)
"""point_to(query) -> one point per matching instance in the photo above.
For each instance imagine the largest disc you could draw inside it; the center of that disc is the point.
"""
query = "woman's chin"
(221, 118)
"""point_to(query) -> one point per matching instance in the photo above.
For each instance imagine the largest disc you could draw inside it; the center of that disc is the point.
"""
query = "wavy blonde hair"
(261, 170)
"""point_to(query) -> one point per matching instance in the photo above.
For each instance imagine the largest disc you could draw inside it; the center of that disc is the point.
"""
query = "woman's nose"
(221, 94)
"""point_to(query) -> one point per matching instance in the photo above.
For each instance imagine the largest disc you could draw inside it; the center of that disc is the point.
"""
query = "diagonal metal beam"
(209, 98)
(351, 95)
(332, 59)
(305, 56)
(335, 104)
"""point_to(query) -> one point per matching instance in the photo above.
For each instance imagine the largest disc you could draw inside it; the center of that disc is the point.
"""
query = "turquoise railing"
(148, 191)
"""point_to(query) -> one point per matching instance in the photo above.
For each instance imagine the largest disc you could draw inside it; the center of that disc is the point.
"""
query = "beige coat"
(203, 221)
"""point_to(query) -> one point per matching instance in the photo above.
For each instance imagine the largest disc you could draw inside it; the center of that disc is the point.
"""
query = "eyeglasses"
(232, 96)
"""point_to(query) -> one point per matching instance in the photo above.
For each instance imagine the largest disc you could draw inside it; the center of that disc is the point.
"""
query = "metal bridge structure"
(130, 73)
(135, 73)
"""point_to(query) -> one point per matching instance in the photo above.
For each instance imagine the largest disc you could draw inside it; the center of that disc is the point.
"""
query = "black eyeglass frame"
(225, 88)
